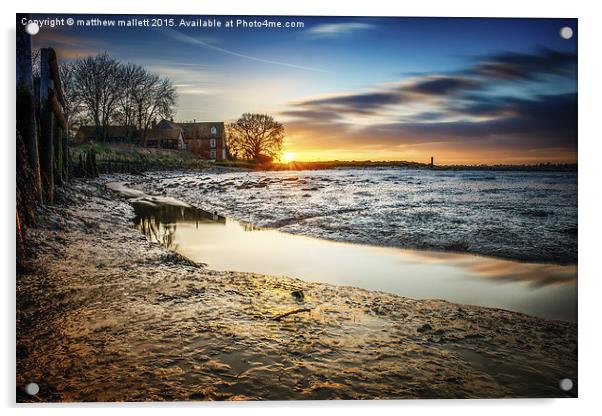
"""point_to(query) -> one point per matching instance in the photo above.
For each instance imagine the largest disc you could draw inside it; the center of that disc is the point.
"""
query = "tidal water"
(528, 216)
(541, 289)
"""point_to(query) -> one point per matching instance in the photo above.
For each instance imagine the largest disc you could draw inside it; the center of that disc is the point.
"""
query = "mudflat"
(105, 315)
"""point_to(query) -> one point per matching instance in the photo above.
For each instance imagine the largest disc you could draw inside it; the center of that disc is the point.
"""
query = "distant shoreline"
(113, 157)
(542, 167)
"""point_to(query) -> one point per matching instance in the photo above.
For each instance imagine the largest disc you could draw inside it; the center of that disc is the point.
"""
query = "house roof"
(167, 124)
(195, 130)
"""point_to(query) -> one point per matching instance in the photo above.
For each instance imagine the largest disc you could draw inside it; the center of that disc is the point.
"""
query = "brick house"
(205, 139)
(166, 135)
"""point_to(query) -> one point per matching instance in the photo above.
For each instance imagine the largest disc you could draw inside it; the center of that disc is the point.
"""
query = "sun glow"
(288, 157)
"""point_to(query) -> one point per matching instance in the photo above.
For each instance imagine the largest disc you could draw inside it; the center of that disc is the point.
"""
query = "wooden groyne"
(42, 143)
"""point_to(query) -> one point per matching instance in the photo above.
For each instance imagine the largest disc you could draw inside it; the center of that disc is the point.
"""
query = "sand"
(105, 315)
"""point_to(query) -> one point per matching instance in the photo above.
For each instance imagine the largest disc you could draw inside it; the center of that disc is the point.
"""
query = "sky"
(466, 91)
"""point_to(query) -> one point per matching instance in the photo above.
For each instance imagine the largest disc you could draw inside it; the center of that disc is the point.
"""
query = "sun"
(288, 157)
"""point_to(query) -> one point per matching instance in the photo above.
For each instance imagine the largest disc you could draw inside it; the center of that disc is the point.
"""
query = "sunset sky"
(462, 90)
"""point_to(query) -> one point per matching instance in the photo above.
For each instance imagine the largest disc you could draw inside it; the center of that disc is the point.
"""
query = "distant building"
(115, 134)
(205, 139)
(166, 135)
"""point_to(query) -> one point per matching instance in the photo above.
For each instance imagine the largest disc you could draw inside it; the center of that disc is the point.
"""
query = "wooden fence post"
(57, 136)
(26, 112)
(66, 156)
(46, 128)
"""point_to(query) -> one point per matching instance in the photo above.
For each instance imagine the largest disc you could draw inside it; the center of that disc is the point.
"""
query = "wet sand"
(106, 315)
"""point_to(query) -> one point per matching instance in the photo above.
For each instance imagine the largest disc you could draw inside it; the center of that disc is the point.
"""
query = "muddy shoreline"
(101, 309)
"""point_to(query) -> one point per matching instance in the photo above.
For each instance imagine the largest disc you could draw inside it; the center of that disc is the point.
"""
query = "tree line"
(102, 91)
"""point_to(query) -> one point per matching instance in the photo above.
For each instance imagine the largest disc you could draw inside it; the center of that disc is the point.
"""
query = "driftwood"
(277, 318)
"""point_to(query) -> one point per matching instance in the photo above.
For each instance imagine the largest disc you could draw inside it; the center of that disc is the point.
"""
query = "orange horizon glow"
(445, 158)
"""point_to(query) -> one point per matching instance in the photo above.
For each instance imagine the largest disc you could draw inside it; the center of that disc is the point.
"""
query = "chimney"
(171, 119)
(153, 123)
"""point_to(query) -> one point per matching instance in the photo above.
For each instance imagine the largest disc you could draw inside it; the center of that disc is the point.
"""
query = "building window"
(212, 154)
(213, 131)
(212, 143)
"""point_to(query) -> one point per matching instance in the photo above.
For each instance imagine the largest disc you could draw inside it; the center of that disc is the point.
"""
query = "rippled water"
(517, 215)
(544, 290)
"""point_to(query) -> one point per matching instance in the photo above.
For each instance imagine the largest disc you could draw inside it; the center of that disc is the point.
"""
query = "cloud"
(68, 47)
(462, 110)
(364, 103)
(373, 102)
(333, 30)
(179, 36)
(543, 122)
(443, 85)
(526, 66)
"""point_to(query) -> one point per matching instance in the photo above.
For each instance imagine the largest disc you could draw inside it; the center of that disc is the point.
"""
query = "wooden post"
(65, 155)
(26, 113)
(57, 135)
(46, 127)
(57, 100)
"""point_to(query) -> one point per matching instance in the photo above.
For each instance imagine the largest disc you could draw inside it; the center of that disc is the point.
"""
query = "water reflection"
(159, 221)
(535, 274)
(545, 290)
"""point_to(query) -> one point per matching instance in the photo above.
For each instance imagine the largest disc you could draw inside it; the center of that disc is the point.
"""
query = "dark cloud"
(547, 121)
(364, 103)
(526, 66)
(483, 120)
(443, 85)
(479, 105)
(372, 102)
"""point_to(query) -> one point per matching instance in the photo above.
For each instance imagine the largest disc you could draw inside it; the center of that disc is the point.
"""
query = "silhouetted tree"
(255, 136)
(73, 107)
(131, 79)
(103, 91)
(97, 86)
(155, 98)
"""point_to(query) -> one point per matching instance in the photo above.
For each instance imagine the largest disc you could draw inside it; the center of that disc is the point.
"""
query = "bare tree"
(156, 99)
(98, 88)
(131, 80)
(73, 108)
(255, 136)
(103, 91)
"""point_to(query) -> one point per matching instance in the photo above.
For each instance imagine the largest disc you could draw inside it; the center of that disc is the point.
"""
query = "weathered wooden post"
(57, 101)
(26, 114)
(57, 135)
(46, 128)
(66, 155)
(52, 124)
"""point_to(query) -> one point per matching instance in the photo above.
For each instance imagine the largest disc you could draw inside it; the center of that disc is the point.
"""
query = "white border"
(590, 290)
